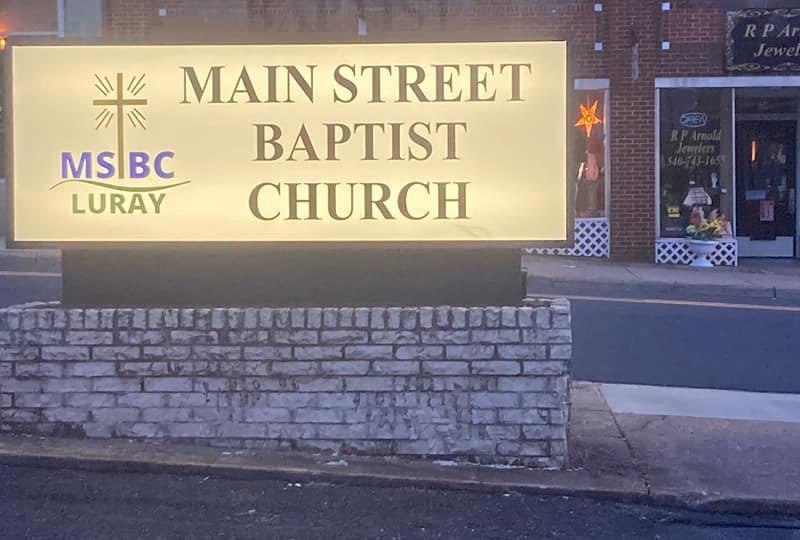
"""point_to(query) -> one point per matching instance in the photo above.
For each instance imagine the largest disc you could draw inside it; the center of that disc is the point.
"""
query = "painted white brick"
(295, 337)
(290, 400)
(475, 317)
(377, 319)
(112, 384)
(395, 367)
(295, 368)
(523, 384)
(116, 353)
(297, 318)
(90, 369)
(65, 353)
(314, 318)
(139, 319)
(554, 367)
(554, 335)
(495, 367)
(280, 318)
(265, 318)
(351, 367)
(508, 317)
(318, 416)
(89, 400)
(408, 319)
(186, 319)
(267, 353)
(446, 367)
(490, 400)
(216, 352)
(166, 353)
(319, 384)
(65, 414)
(492, 317)
(39, 369)
(346, 317)
(116, 415)
(445, 337)
(389, 337)
(523, 416)
(560, 352)
(193, 337)
(348, 337)
(419, 352)
(470, 352)
(167, 384)
(318, 353)
(522, 352)
(128, 369)
(272, 414)
(140, 337)
(235, 318)
(330, 318)
(361, 316)
(368, 352)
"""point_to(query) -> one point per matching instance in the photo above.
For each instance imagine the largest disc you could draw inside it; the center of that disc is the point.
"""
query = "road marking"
(694, 303)
(702, 403)
(7, 273)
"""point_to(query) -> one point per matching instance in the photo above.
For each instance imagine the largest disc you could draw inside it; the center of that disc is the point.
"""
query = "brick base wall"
(485, 384)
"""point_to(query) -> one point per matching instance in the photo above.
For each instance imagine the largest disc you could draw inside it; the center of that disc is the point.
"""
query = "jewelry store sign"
(763, 40)
(461, 142)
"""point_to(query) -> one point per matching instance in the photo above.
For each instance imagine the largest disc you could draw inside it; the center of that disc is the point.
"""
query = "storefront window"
(696, 175)
(589, 138)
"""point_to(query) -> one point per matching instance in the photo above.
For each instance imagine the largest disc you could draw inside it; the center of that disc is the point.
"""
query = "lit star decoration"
(588, 118)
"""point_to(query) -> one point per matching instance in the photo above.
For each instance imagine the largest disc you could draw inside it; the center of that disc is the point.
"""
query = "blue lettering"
(105, 166)
(138, 165)
(158, 164)
(70, 170)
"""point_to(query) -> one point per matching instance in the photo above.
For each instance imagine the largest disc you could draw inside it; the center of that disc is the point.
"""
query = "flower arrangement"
(703, 229)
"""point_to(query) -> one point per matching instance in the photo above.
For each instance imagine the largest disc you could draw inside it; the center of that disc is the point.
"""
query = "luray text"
(395, 141)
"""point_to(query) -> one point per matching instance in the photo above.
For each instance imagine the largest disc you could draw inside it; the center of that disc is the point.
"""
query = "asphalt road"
(660, 338)
(653, 337)
(42, 503)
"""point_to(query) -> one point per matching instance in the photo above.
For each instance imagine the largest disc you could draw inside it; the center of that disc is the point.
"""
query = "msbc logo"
(138, 176)
(104, 166)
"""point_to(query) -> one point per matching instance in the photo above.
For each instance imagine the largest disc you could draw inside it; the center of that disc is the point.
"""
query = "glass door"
(766, 180)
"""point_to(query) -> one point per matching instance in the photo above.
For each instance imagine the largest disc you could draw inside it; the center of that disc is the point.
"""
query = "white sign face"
(461, 142)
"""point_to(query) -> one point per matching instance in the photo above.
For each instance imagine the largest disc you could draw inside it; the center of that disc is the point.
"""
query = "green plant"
(704, 229)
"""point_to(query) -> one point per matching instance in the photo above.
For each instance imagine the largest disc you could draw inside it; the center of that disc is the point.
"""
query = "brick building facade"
(627, 54)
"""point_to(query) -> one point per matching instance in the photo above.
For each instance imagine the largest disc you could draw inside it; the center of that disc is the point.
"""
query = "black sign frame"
(740, 56)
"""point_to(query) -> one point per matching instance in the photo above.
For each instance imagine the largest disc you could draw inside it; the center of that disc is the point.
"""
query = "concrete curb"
(596, 288)
(375, 473)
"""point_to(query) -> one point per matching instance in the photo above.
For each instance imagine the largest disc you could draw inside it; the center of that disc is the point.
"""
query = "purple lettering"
(158, 164)
(70, 170)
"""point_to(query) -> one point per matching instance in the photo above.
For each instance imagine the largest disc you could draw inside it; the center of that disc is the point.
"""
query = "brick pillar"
(632, 202)
(128, 19)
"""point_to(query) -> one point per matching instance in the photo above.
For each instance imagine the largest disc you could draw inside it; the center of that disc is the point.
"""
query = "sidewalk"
(753, 278)
(708, 464)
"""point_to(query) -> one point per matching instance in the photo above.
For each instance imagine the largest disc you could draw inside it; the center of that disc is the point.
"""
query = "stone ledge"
(486, 384)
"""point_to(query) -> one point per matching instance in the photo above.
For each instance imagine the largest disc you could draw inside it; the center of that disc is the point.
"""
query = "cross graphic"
(120, 102)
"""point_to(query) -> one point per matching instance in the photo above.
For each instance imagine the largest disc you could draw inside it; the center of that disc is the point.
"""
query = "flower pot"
(702, 249)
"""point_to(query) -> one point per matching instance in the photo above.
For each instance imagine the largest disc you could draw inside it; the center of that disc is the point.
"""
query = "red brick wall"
(695, 32)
